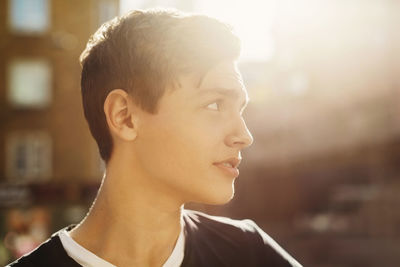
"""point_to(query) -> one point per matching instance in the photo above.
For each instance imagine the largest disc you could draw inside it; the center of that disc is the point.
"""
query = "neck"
(131, 217)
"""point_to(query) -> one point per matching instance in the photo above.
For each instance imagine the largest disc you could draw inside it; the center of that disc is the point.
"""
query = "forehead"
(224, 78)
(223, 75)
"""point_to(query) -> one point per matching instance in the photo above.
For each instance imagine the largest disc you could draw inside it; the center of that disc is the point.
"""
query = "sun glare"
(251, 19)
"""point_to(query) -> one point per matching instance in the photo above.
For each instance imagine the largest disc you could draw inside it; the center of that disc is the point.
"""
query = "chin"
(217, 197)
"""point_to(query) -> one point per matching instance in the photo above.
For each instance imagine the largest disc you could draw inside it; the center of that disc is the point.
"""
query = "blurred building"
(47, 155)
(42, 126)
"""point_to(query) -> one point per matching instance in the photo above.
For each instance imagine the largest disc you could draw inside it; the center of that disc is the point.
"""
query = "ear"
(120, 115)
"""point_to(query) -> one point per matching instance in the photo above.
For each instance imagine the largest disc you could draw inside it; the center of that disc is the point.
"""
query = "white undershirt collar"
(88, 259)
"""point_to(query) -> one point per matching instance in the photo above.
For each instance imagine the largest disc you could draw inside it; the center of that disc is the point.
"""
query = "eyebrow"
(231, 93)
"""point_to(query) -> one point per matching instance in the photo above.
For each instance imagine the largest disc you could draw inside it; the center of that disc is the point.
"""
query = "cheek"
(177, 145)
(179, 154)
(188, 144)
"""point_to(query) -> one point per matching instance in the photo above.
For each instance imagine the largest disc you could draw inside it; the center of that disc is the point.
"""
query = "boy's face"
(195, 128)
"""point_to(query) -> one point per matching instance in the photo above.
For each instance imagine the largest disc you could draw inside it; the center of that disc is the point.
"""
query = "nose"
(240, 137)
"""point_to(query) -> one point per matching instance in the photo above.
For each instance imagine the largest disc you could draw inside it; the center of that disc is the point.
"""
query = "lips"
(229, 166)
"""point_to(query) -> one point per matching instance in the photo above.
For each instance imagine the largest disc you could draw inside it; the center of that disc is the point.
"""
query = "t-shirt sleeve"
(268, 249)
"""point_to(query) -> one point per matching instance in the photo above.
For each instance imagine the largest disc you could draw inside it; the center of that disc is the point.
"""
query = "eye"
(214, 105)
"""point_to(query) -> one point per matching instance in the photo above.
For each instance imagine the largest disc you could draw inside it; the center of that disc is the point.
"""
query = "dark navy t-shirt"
(209, 241)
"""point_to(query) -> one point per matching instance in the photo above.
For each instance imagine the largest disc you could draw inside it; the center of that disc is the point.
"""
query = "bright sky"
(252, 20)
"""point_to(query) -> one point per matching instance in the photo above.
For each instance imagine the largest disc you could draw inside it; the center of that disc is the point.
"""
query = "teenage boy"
(163, 99)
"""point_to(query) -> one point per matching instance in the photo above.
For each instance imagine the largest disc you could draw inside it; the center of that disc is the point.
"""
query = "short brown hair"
(144, 51)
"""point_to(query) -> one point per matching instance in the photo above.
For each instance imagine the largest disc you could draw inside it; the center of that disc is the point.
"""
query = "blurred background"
(322, 177)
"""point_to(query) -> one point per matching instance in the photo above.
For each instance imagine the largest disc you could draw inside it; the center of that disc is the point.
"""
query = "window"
(28, 156)
(29, 83)
(28, 16)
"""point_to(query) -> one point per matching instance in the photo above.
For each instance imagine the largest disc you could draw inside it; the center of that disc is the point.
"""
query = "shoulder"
(239, 241)
(207, 226)
(50, 253)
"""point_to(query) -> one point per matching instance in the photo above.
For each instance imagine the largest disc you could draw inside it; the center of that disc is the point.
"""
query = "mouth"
(229, 166)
